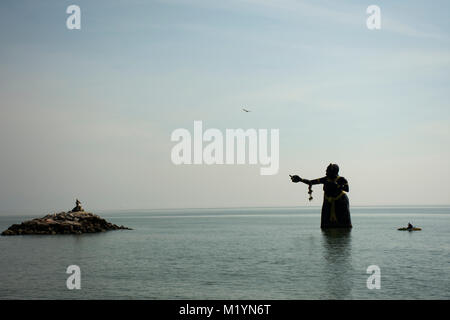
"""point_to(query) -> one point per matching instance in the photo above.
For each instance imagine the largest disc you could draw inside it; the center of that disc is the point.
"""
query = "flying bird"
(245, 110)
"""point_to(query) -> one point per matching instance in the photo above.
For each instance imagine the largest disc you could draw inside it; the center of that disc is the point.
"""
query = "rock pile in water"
(72, 222)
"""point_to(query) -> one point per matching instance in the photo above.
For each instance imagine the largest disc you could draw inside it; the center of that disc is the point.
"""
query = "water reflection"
(338, 268)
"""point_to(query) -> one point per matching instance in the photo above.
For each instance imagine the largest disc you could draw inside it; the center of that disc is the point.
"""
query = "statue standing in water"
(336, 206)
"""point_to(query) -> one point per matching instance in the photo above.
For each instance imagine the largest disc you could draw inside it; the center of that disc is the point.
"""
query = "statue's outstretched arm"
(315, 181)
(306, 181)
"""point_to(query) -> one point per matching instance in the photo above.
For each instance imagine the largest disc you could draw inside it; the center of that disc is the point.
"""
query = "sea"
(246, 253)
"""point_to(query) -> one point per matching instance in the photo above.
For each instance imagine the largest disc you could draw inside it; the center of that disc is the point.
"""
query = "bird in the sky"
(245, 110)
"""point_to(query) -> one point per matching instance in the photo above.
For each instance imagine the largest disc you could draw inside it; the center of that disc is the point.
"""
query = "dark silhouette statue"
(78, 207)
(336, 206)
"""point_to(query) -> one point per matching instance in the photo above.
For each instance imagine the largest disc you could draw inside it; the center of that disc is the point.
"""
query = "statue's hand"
(295, 178)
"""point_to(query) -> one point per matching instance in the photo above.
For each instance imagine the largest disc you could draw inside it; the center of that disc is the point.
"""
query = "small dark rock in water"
(73, 222)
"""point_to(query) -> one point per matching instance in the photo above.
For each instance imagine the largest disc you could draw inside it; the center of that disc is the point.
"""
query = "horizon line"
(29, 211)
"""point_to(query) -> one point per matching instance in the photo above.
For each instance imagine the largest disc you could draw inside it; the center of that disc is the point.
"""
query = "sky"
(89, 113)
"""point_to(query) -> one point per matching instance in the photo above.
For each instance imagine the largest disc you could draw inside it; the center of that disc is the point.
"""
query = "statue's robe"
(336, 206)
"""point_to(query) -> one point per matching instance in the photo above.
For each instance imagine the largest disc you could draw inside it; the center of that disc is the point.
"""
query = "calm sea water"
(259, 253)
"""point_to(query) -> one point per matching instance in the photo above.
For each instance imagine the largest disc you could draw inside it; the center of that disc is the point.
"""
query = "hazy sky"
(89, 113)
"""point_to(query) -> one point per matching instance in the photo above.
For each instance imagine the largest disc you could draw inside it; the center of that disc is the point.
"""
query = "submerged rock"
(73, 222)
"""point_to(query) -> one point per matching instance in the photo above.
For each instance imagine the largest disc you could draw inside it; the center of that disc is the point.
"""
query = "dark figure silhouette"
(78, 207)
(336, 206)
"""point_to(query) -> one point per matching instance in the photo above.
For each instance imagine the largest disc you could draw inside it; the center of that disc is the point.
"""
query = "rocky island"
(76, 221)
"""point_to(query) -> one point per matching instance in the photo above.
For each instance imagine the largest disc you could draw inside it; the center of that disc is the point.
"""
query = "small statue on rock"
(78, 207)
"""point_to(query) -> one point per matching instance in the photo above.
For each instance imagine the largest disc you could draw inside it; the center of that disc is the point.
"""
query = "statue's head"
(332, 170)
